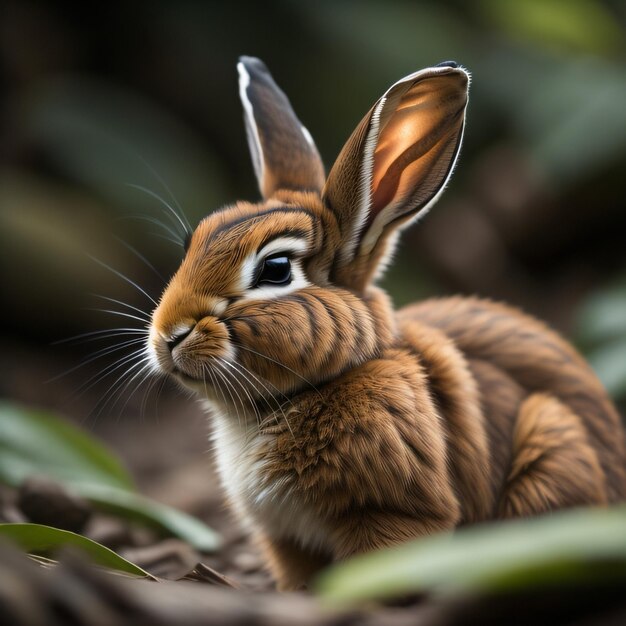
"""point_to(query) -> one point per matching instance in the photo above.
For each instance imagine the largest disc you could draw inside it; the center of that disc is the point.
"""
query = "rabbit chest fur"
(242, 457)
(339, 425)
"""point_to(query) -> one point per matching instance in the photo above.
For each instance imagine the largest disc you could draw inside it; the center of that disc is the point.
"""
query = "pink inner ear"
(416, 143)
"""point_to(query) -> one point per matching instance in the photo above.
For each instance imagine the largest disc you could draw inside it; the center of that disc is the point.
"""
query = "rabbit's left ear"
(394, 166)
(283, 152)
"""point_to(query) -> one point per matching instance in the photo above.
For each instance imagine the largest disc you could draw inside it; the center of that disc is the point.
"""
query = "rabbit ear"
(395, 165)
(283, 152)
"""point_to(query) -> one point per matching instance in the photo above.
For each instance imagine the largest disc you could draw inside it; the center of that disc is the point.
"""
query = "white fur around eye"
(269, 292)
(283, 244)
(292, 247)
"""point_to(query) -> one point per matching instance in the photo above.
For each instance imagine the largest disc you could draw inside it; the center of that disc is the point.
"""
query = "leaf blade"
(38, 442)
(43, 540)
(490, 557)
(135, 506)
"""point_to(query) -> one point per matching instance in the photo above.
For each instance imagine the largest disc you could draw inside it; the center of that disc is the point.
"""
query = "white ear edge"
(365, 183)
(376, 229)
(308, 137)
(252, 132)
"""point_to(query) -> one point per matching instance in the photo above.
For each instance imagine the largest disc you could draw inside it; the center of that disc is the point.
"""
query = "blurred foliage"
(100, 100)
(36, 443)
(601, 327)
(576, 25)
(550, 551)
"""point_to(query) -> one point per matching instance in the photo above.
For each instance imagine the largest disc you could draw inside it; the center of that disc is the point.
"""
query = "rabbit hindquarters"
(555, 438)
(553, 464)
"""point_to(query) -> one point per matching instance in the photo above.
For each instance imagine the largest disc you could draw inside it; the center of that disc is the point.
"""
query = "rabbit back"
(545, 414)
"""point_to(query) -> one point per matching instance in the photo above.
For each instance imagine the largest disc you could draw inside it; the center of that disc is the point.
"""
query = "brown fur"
(341, 426)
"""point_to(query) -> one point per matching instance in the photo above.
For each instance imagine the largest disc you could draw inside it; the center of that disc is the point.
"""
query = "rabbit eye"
(276, 270)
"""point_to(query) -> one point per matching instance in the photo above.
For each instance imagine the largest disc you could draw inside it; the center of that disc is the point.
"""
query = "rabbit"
(341, 426)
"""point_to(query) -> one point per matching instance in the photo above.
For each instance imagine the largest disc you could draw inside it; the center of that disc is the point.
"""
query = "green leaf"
(134, 506)
(575, 545)
(37, 442)
(580, 25)
(104, 136)
(602, 317)
(609, 363)
(40, 540)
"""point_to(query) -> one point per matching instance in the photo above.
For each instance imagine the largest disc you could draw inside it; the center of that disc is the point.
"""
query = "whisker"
(107, 371)
(152, 220)
(102, 334)
(215, 384)
(97, 355)
(246, 372)
(146, 371)
(125, 278)
(140, 256)
(251, 401)
(161, 380)
(176, 242)
(229, 386)
(113, 312)
(146, 317)
(167, 189)
(185, 227)
(264, 356)
(111, 392)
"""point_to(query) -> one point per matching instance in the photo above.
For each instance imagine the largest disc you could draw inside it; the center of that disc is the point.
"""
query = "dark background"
(97, 96)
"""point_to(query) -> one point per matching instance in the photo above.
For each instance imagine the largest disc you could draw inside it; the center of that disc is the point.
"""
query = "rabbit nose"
(178, 336)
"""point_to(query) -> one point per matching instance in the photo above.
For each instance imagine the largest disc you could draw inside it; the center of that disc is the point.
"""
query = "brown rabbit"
(341, 426)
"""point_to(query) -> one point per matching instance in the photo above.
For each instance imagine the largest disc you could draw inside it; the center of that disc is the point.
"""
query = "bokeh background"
(97, 99)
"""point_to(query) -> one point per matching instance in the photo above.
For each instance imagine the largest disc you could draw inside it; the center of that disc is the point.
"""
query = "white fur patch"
(240, 455)
(293, 247)
(179, 330)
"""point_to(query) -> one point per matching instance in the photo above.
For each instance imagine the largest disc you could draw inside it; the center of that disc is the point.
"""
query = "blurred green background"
(100, 96)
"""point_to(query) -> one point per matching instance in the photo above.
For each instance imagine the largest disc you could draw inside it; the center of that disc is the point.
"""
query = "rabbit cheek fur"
(340, 426)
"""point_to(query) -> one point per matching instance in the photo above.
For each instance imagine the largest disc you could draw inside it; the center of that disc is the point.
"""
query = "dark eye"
(276, 270)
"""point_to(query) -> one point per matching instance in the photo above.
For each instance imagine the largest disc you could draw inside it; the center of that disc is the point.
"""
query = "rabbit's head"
(273, 296)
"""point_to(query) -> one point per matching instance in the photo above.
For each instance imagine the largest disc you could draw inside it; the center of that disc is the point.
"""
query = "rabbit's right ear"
(283, 152)
(394, 166)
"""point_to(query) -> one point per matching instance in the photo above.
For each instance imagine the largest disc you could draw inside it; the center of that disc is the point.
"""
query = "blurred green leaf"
(609, 363)
(602, 317)
(134, 506)
(582, 25)
(40, 540)
(34, 442)
(601, 332)
(575, 545)
(105, 137)
(573, 119)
